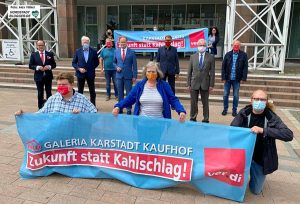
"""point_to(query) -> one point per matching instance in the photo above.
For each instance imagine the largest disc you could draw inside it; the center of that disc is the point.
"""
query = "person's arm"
(96, 61)
(217, 39)
(177, 69)
(158, 55)
(53, 63)
(212, 73)
(237, 121)
(101, 63)
(115, 61)
(245, 67)
(279, 131)
(32, 64)
(75, 61)
(174, 101)
(134, 65)
(190, 72)
(224, 63)
(130, 99)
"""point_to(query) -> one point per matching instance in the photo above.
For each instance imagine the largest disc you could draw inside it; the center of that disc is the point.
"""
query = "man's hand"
(119, 69)
(82, 70)
(133, 80)
(19, 112)
(115, 111)
(257, 130)
(223, 81)
(76, 111)
(46, 67)
(210, 89)
(182, 117)
(188, 89)
(176, 76)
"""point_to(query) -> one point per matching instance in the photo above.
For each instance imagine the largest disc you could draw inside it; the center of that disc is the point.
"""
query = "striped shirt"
(233, 68)
(57, 104)
(151, 103)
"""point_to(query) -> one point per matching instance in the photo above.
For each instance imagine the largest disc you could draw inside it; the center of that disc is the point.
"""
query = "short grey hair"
(200, 40)
(85, 38)
(160, 75)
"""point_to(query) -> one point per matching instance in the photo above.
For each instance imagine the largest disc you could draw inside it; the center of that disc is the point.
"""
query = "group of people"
(154, 97)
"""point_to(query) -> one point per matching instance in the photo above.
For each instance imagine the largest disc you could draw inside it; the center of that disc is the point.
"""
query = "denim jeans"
(110, 75)
(257, 178)
(236, 89)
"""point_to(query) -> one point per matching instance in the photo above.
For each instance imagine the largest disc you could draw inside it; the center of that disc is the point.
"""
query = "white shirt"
(151, 103)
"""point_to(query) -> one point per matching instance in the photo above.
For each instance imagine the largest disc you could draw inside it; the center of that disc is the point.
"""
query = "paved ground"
(283, 186)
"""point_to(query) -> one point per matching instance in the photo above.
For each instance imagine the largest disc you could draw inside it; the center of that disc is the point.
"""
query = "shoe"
(107, 98)
(205, 121)
(234, 113)
(193, 119)
(224, 112)
(129, 112)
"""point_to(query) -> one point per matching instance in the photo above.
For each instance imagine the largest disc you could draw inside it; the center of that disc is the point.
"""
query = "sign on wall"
(11, 50)
(24, 11)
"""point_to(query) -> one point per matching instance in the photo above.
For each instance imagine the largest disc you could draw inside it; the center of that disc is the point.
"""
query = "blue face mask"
(259, 105)
(85, 46)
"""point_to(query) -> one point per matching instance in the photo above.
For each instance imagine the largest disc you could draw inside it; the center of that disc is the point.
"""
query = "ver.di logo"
(33, 146)
(35, 13)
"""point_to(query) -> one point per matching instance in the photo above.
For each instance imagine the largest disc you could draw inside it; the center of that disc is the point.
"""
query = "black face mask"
(109, 33)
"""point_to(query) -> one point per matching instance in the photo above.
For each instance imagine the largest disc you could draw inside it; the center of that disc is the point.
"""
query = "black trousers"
(47, 83)
(91, 85)
(171, 80)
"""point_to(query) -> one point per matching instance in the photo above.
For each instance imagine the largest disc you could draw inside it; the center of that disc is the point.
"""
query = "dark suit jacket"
(129, 65)
(241, 66)
(35, 60)
(168, 60)
(90, 65)
(201, 78)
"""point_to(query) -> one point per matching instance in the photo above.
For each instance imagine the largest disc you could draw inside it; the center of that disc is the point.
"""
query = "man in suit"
(126, 66)
(169, 63)
(201, 78)
(85, 61)
(42, 62)
(234, 72)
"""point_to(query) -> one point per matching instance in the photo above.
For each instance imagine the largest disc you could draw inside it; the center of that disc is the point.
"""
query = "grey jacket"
(201, 78)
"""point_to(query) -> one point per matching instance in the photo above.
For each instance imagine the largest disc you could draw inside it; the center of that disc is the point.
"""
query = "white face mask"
(202, 49)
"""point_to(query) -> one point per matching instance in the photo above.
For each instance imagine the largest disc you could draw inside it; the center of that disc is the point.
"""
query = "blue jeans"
(121, 84)
(236, 89)
(110, 75)
(257, 178)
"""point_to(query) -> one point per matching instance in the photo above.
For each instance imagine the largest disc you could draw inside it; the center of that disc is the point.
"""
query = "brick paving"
(283, 186)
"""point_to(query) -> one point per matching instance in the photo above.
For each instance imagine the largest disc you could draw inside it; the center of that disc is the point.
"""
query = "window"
(138, 15)
(164, 19)
(125, 17)
(193, 15)
(178, 17)
(151, 14)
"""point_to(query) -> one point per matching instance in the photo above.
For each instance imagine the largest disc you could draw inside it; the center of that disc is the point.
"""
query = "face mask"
(85, 46)
(108, 44)
(236, 48)
(259, 106)
(168, 43)
(63, 89)
(109, 33)
(151, 76)
(202, 49)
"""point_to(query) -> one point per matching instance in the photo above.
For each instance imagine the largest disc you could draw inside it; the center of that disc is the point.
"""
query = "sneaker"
(193, 119)
(107, 98)
(234, 113)
(128, 112)
(205, 121)
(224, 112)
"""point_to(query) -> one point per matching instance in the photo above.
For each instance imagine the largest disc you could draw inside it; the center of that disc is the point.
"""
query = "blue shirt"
(86, 55)
(57, 104)
(234, 59)
(107, 54)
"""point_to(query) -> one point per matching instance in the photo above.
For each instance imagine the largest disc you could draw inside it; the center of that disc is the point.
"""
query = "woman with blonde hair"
(152, 96)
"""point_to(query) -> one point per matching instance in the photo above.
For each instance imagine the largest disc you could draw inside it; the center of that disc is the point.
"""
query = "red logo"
(33, 145)
(226, 165)
(194, 37)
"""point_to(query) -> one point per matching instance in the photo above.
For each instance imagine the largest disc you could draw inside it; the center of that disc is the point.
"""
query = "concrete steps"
(283, 90)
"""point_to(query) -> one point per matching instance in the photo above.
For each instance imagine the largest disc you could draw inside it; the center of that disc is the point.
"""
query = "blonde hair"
(160, 75)
(270, 103)
(65, 75)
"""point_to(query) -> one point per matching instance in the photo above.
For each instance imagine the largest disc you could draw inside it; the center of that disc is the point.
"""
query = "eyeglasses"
(259, 99)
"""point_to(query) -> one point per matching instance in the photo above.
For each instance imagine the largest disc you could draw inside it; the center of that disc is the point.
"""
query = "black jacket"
(35, 60)
(241, 66)
(276, 129)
